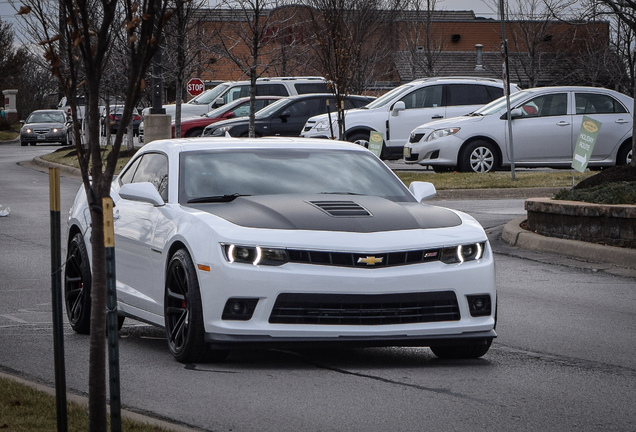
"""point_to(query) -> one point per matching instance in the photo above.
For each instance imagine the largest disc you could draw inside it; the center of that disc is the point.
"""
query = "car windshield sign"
(221, 176)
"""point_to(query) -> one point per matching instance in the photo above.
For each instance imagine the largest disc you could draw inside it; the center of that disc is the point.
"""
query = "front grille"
(348, 259)
(42, 130)
(354, 309)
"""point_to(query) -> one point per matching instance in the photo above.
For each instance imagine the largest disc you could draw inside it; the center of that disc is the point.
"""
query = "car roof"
(49, 111)
(230, 143)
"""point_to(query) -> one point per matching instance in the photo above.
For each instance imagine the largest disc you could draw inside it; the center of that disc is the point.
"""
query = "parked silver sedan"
(46, 126)
(545, 126)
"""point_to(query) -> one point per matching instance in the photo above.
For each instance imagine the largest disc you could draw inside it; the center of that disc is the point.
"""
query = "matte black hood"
(330, 213)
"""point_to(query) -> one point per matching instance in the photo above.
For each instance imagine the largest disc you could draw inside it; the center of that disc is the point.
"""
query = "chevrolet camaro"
(230, 243)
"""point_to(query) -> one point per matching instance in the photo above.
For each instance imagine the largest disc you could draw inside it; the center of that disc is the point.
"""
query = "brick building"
(442, 43)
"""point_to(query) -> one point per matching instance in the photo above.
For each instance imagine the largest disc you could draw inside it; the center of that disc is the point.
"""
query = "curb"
(514, 235)
(83, 401)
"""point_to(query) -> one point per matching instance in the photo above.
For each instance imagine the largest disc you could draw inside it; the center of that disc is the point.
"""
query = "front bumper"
(265, 286)
(442, 151)
(47, 137)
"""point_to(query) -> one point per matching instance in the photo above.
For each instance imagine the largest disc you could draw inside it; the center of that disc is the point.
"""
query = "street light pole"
(506, 77)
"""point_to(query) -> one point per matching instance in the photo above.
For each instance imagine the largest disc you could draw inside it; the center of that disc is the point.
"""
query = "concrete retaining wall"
(613, 225)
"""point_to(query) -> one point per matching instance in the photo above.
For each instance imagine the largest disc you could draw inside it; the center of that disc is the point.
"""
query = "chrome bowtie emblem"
(370, 260)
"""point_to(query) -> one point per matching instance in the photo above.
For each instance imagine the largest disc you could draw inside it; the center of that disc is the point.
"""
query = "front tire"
(193, 133)
(183, 312)
(77, 286)
(478, 156)
(467, 351)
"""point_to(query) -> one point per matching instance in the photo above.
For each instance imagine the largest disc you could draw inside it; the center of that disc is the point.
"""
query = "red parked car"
(193, 126)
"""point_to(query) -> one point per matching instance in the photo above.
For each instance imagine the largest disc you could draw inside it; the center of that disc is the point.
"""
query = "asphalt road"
(565, 358)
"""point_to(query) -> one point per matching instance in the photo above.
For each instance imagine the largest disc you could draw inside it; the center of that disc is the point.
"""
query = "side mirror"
(399, 106)
(285, 115)
(422, 190)
(230, 115)
(218, 102)
(514, 113)
(141, 192)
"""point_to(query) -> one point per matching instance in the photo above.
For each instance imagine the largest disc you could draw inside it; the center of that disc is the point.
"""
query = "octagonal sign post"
(195, 87)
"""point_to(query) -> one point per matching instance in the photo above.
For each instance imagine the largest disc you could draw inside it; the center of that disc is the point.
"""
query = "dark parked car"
(46, 126)
(193, 127)
(285, 117)
(114, 118)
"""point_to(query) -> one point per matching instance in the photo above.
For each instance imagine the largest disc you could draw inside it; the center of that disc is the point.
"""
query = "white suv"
(398, 112)
(230, 90)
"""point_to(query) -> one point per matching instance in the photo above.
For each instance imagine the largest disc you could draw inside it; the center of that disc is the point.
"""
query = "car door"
(544, 131)
(291, 118)
(616, 122)
(420, 106)
(138, 257)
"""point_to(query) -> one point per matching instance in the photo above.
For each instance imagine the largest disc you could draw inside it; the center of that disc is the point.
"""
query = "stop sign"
(195, 87)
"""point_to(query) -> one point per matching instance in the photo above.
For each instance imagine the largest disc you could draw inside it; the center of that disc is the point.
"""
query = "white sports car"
(230, 243)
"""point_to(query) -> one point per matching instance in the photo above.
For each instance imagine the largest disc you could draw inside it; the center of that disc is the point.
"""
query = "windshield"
(500, 104)
(221, 110)
(46, 117)
(271, 108)
(388, 97)
(208, 96)
(288, 171)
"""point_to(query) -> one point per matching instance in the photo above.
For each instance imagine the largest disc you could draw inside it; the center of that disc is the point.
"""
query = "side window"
(494, 93)
(306, 108)
(153, 168)
(317, 87)
(127, 176)
(270, 90)
(594, 103)
(236, 92)
(425, 97)
(466, 94)
(243, 109)
(546, 105)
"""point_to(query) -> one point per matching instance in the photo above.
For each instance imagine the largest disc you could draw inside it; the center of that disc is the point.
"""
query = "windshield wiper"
(339, 193)
(216, 198)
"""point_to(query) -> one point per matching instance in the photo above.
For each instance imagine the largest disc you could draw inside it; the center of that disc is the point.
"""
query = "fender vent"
(341, 208)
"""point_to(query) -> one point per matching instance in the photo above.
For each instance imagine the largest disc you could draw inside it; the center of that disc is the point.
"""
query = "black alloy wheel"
(77, 285)
(183, 312)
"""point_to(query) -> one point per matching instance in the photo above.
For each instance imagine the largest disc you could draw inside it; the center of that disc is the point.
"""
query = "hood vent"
(341, 208)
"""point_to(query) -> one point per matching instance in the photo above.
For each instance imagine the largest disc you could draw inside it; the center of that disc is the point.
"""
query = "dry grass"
(496, 180)
(26, 409)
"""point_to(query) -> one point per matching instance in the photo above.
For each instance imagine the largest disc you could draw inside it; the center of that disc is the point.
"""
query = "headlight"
(321, 125)
(55, 130)
(220, 131)
(463, 253)
(28, 130)
(255, 255)
(439, 133)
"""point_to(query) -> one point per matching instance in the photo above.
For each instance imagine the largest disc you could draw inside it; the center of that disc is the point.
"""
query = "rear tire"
(468, 351)
(478, 156)
(624, 156)
(77, 286)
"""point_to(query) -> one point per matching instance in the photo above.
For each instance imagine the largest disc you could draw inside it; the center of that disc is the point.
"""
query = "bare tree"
(345, 32)
(76, 38)
(625, 11)
(246, 42)
(423, 46)
(184, 43)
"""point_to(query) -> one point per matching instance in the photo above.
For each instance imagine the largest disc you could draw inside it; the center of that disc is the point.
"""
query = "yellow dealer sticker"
(590, 126)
